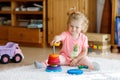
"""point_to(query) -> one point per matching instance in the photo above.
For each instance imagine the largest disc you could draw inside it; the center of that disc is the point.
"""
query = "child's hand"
(74, 62)
(57, 39)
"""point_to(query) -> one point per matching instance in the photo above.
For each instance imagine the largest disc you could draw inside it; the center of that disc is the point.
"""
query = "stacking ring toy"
(81, 67)
(75, 71)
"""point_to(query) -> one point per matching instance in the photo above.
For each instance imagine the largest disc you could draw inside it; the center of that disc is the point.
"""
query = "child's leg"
(40, 65)
(63, 60)
(86, 61)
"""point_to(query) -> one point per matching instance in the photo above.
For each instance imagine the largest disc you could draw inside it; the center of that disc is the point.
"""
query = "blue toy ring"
(75, 71)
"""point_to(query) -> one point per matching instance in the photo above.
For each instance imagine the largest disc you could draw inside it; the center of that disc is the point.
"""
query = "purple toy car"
(10, 51)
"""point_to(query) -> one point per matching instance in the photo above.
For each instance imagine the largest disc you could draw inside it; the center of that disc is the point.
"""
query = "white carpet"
(110, 70)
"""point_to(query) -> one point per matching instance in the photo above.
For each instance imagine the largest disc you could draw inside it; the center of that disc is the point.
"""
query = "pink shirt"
(68, 43)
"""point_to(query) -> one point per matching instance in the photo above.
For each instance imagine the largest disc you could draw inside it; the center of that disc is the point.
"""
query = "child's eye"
(71, 25)
(77, 27)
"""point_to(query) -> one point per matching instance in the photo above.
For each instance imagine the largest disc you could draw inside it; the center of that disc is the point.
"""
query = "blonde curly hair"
(75, 15)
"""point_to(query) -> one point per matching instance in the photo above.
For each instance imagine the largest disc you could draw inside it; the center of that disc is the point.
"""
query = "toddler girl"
(74, 42)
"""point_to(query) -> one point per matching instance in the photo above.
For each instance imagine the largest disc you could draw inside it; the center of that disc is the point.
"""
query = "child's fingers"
(52, 43)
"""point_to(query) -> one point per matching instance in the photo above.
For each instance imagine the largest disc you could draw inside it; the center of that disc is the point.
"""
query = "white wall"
(100, 6)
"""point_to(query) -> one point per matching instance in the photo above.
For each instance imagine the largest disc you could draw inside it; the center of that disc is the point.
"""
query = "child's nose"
(74, 28)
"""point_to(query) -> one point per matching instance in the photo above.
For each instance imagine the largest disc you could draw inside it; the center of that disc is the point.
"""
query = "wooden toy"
(98, 37)
(99, 42)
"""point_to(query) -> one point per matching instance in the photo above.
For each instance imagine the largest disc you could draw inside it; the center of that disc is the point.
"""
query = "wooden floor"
(32, 53)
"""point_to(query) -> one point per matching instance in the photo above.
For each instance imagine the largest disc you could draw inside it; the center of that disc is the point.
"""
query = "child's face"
(74, 27)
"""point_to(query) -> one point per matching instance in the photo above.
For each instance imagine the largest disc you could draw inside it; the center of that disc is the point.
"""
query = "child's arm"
(81, 55)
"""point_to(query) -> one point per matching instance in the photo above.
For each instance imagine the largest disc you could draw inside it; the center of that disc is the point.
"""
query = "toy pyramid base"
(54, 69)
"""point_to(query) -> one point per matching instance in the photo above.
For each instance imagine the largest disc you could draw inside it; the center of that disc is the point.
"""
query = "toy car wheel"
(17, 58)
(5, 59)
